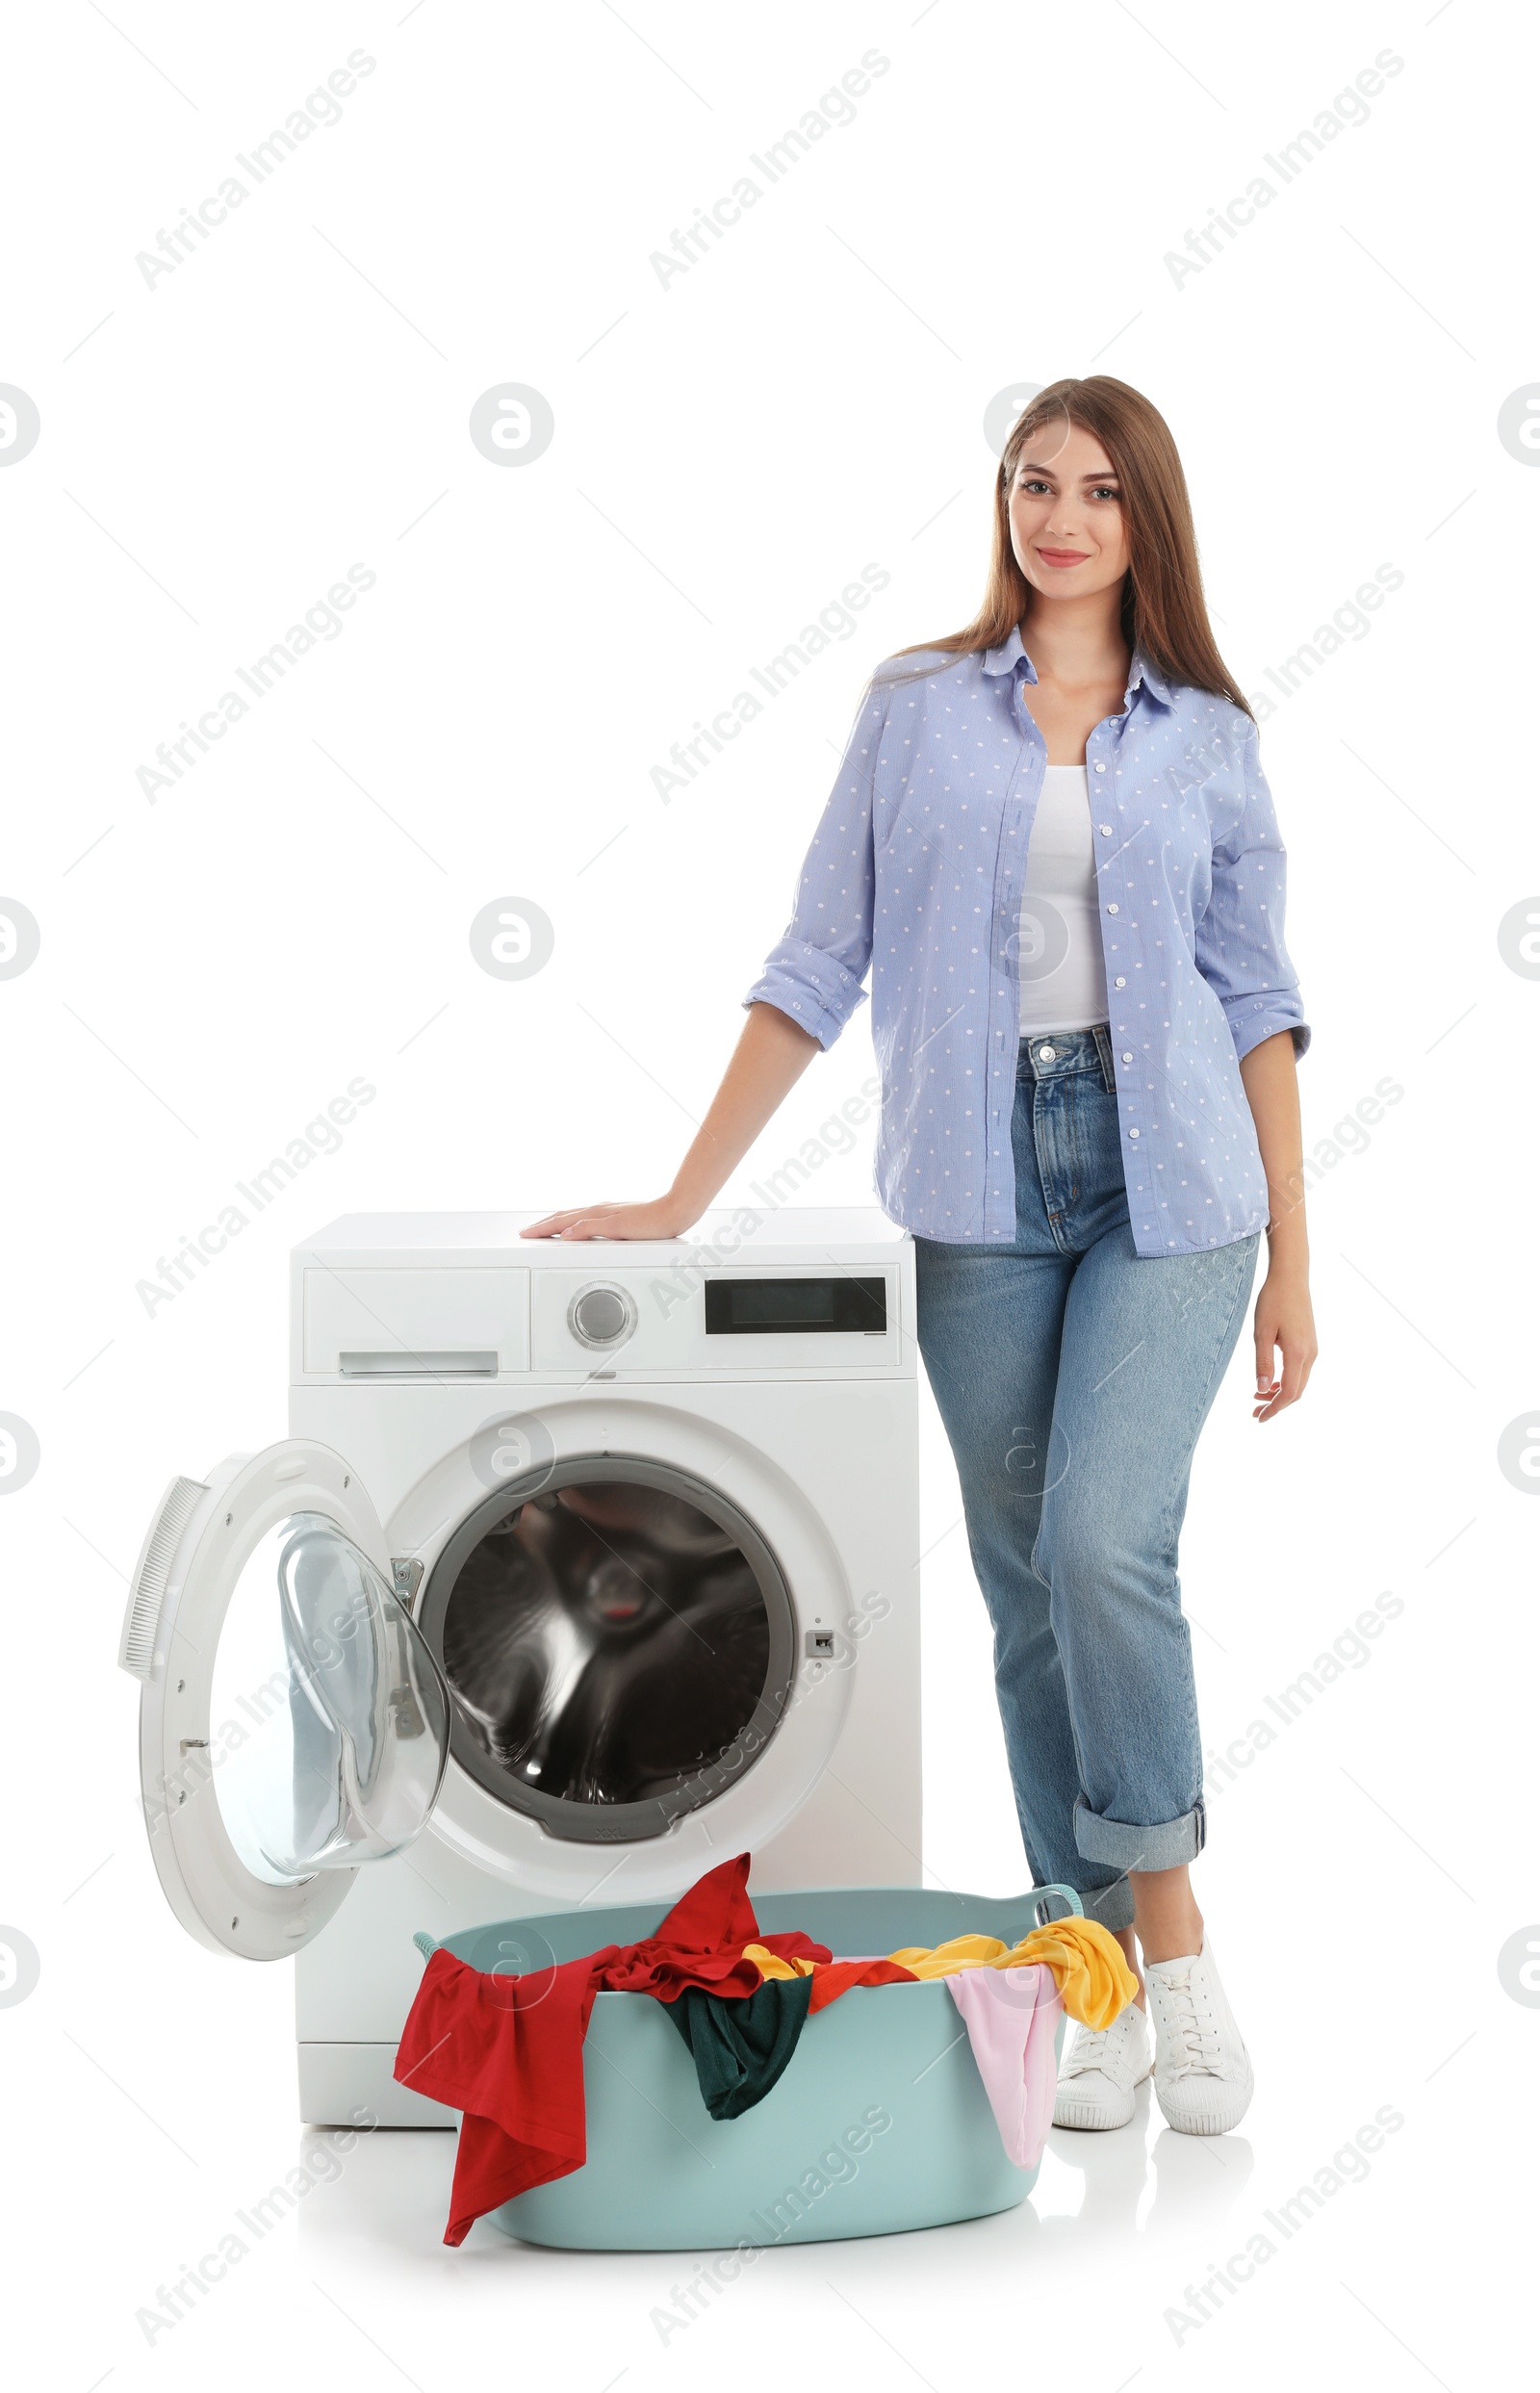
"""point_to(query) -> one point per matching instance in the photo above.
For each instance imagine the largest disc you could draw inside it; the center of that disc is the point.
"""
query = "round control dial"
(602, 1315)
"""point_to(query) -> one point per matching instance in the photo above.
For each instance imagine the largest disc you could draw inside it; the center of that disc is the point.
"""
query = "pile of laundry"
(507, 2052)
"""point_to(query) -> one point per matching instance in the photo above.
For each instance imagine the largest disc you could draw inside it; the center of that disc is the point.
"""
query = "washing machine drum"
(619, 1642)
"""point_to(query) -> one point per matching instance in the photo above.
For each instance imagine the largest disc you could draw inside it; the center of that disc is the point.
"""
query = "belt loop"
(1104, 1050)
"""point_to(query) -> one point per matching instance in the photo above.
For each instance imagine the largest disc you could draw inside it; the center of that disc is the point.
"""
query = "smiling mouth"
(1064, 557)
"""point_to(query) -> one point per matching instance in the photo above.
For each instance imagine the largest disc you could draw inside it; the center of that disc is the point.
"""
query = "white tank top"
(1063, 980)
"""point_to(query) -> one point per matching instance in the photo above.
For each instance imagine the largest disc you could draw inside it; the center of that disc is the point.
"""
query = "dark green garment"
(742, 2042)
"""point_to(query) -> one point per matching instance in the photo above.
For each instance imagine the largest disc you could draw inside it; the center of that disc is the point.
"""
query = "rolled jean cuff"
(1113, 1905)
(1164, 1847)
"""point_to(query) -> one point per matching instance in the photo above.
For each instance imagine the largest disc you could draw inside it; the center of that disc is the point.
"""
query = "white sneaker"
(1203, 2077)
(1100, 2072)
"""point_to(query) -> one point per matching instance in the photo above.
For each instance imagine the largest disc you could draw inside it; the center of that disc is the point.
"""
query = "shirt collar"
(1010, 652)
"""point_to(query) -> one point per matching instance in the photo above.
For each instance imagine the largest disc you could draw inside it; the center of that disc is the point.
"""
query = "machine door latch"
(819, 1645)
(408, 1577)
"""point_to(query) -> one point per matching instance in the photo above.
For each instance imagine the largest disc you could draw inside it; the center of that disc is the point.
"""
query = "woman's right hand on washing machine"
(662, 1218)
(768, 1061)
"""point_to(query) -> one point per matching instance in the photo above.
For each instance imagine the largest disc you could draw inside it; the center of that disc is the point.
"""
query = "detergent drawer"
(450, 1324)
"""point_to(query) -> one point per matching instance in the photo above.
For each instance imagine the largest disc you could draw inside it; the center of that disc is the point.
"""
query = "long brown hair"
(1163, 608)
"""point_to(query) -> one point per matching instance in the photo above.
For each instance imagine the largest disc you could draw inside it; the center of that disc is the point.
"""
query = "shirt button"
(1112, 910)
(1127, 1058)
(1106, 831)
(1133, 1134)
(1100, 767)
(1120, 982)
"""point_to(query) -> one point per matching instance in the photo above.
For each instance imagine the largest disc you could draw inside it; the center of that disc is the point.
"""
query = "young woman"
(1051, 841)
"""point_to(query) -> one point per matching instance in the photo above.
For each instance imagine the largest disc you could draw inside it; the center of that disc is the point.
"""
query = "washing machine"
(581, 1569)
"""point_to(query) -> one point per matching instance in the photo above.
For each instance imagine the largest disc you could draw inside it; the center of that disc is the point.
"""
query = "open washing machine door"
(293, 1723)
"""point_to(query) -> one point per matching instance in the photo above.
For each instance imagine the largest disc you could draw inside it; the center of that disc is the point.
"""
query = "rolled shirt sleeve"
(1239, 943)
(814, 972)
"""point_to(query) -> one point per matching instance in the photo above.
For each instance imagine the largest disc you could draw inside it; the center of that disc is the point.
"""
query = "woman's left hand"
(1284, 1325)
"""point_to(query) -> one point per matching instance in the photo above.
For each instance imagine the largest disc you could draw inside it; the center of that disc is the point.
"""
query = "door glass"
(329, 1722)
(618, 1655)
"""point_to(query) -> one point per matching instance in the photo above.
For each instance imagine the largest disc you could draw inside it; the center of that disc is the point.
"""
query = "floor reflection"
(1131, 2184)
(1142, 2182)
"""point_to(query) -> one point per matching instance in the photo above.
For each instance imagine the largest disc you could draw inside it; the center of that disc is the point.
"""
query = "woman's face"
(1066, 514)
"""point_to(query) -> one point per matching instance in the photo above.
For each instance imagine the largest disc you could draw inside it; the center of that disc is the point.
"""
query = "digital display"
(783, 1302)
(783, 1307)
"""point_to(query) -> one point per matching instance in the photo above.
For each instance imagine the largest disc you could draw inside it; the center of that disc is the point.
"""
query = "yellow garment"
(1095, 1981)
(962, 1952)
(775, 1965)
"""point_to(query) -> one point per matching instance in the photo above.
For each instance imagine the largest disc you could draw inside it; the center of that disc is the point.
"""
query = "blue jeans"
(1073, 1376)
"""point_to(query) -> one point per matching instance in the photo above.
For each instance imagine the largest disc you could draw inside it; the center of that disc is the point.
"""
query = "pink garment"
(1012, 2017)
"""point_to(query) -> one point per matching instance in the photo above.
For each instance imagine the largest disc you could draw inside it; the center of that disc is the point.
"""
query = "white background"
(293, 912)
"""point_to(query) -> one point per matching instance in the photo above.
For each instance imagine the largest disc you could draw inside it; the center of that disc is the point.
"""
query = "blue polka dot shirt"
(916, 872)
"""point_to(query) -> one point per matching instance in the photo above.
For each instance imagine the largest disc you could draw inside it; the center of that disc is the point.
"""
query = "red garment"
(837, 1978)
(507, 2052)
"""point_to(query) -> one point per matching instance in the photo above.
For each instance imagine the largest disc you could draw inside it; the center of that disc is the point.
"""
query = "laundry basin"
(880, 2123)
